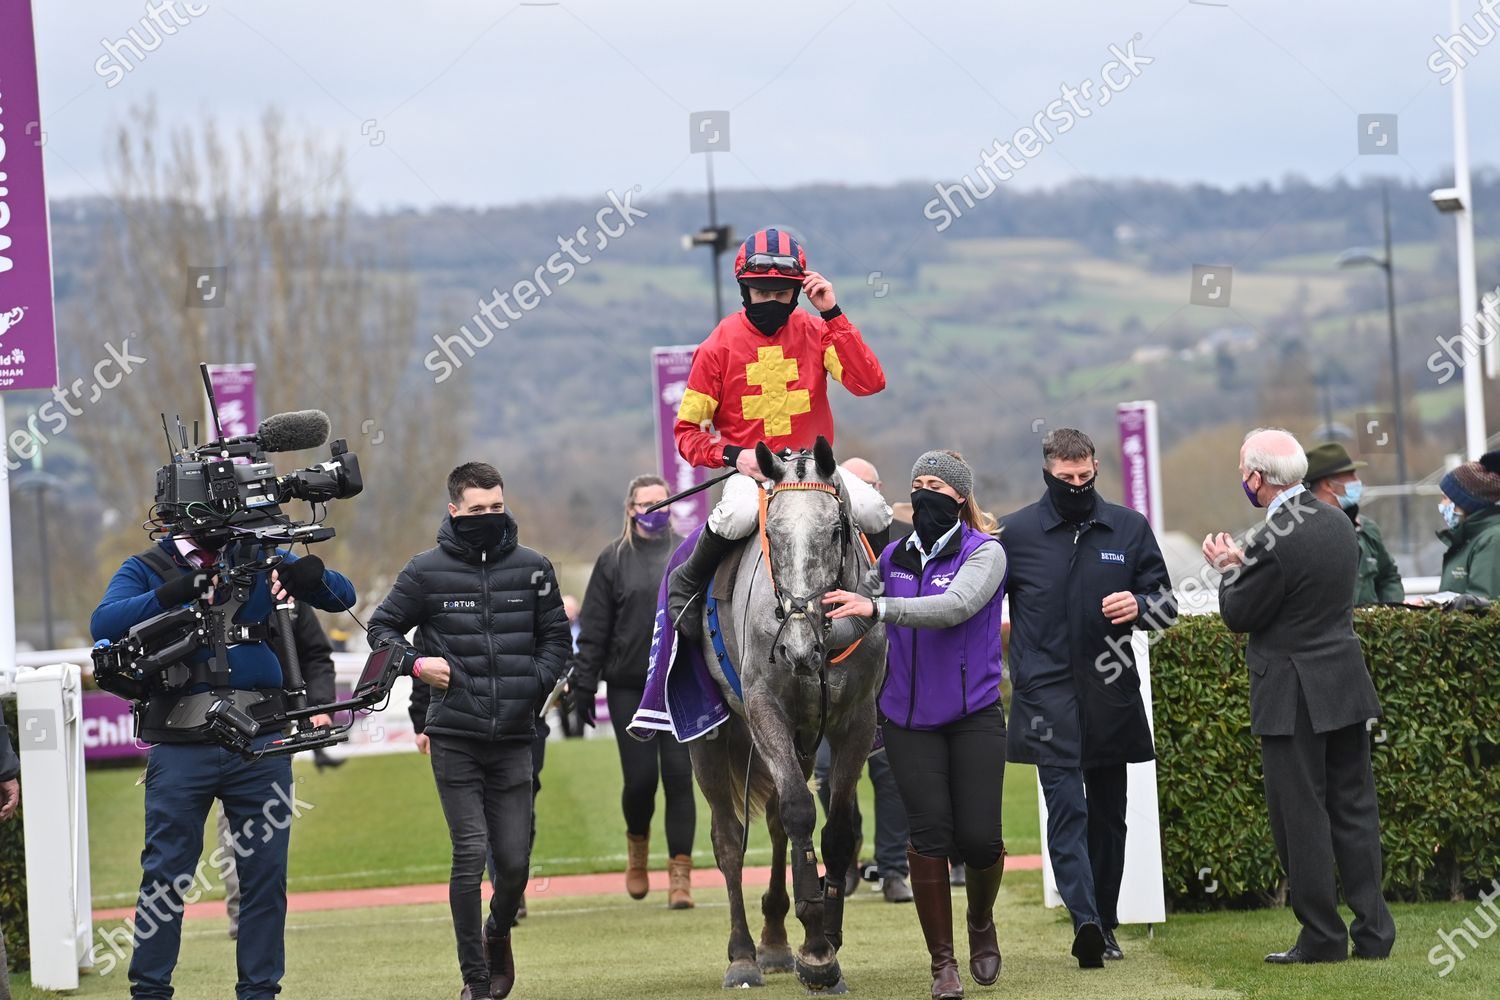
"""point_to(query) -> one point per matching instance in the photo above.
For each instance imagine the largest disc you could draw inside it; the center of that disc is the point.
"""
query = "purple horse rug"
(681, 696)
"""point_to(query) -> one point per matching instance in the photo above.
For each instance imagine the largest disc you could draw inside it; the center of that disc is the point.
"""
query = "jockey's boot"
(637, 853)
(686, 585)
(934, 899)
(680, 884)
(982, 886)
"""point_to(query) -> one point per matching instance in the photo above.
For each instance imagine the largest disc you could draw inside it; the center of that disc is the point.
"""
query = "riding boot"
(688, 581)
(982, 886)
(934, 900)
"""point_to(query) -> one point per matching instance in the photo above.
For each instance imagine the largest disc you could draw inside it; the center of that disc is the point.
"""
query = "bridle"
(800, 605)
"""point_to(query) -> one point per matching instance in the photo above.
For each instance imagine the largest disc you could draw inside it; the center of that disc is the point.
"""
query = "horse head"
(807, 526)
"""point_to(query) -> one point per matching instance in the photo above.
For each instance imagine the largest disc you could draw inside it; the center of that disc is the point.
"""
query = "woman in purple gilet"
(939, 593)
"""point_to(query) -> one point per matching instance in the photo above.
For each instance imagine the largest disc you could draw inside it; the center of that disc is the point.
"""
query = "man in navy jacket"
(1084, 573)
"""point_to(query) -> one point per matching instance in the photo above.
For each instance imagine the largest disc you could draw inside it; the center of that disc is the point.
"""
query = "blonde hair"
(971, 513)
(627, 537)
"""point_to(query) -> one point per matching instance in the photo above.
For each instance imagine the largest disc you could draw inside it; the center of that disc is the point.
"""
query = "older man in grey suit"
(1290, 587)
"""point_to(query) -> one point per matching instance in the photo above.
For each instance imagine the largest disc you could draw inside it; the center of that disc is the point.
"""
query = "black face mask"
(933, 515)
(1074, 503)
(769, 316)
(484, 531)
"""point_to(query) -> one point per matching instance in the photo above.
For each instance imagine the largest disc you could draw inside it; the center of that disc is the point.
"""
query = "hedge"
(1436, 756)
(13, 873)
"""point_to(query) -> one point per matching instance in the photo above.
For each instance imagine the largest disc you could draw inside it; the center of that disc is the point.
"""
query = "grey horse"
(781, 644)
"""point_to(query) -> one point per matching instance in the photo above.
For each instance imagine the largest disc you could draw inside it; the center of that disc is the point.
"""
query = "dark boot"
(934, 899)
(983, 885)
(502, 965)
(686, 585)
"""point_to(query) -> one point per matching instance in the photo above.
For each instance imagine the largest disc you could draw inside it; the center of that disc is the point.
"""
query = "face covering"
(1352, 492)
(1074, 503)
(484, 531)
(933, 515)
(769, 316)
(1245, 485)
(653, 523)
(1450, 513)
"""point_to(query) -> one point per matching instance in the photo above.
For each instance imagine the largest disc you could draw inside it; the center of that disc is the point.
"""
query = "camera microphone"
(296, 430)
(302, 576)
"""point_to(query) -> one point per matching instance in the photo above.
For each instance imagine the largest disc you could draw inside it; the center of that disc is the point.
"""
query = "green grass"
(610, 947)
(376, 822)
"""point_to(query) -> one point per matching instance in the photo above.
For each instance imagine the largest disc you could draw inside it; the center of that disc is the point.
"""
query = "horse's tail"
(761, 784)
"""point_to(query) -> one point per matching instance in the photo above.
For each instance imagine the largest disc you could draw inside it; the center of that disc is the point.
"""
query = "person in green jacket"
(1334, 479)
(1471, 509)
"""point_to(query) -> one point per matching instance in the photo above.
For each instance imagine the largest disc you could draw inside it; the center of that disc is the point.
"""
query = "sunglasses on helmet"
(760, 263)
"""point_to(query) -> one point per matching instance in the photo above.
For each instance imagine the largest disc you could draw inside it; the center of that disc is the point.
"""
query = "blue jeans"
(182, 782)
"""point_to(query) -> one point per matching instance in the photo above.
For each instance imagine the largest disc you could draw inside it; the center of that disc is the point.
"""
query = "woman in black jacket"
(614, 642)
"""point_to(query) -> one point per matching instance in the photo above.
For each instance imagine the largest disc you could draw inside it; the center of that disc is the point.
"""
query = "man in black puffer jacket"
(490, 622)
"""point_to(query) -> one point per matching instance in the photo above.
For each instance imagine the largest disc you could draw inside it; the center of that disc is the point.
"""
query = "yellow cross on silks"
(775, 405)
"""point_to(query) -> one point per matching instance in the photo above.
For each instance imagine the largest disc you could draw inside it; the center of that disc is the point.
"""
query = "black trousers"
(645, 764)
(1320, 794)
(952, 782)
(486, 792)
(891, 834)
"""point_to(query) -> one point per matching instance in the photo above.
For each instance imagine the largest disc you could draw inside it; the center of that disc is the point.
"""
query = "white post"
(7, 584)
(1468, 293)
(49, 711)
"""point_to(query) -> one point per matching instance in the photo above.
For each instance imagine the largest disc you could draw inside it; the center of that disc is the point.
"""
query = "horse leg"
(774, 954)
(711, 766)
(817, 960)
(849, 751)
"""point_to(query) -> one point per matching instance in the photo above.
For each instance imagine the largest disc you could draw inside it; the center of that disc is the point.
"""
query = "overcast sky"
(449, 101)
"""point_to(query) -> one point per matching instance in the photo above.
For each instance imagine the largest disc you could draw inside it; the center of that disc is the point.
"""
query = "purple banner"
(234, 391)
(1139, 470)
(669, 375)
(108, 729)
(28, 340)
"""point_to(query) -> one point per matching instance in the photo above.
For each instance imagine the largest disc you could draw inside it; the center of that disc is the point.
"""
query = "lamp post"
(39, 482)
(1458, 202)
(714, 236)
(1360, 257)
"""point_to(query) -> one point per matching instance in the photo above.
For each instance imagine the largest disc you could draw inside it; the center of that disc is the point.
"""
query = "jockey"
(762, 375)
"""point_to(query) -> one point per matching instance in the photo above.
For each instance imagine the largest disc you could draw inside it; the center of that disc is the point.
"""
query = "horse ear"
(772, 466)
(823, 456)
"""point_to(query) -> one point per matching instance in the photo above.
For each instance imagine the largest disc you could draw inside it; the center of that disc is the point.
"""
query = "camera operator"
(186, 771)
(494, 637)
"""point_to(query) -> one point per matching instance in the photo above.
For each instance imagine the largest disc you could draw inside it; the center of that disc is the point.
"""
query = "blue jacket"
(131, 599)
(1075, 698)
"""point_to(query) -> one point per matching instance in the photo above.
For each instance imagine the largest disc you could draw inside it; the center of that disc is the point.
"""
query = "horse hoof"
(819, 978)
(743, 973)
(774, 960)
(838, 989)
